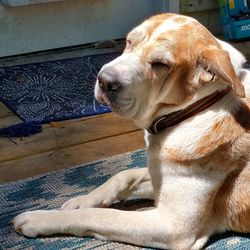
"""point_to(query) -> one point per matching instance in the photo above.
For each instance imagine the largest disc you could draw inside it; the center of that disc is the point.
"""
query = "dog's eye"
(157, 65)
(128, 43)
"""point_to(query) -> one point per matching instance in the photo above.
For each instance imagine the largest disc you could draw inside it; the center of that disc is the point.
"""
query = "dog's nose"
(108, 80)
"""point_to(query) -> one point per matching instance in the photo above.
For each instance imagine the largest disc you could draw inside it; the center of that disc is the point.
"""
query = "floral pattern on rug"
(54, 90)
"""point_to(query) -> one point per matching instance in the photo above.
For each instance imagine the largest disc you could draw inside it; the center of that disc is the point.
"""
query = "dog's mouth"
(123, 106)
(118, 102)
(103, 99)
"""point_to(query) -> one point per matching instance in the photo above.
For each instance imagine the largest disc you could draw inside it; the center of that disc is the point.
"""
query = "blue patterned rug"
(51, 190)
(54, 90)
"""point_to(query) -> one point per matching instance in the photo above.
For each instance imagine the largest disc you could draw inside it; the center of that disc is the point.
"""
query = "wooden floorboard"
(70, 156)
(4, 111)
(65, 134)
(9, 120)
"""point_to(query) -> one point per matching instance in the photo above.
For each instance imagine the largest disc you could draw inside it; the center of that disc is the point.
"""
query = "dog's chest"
(175, 145)
(175, 184)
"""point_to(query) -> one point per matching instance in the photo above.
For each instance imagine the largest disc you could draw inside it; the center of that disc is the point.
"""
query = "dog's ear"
(216, 63)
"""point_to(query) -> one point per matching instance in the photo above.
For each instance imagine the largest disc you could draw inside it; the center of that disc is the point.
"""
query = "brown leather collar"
(179, 116)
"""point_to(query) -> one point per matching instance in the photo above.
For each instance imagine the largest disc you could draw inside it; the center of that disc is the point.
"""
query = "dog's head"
(167, 59)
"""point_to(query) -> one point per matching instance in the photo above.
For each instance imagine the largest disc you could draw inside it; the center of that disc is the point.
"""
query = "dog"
(190, 93)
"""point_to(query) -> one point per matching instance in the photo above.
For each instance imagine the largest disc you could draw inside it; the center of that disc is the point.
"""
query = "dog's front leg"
(146, 228)
(118, 188)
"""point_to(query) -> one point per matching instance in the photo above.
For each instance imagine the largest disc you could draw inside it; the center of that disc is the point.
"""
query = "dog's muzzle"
(108, 81)
(116, 83)
(112, 91)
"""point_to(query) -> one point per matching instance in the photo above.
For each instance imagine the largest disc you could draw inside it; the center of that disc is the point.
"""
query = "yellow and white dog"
(191, 94)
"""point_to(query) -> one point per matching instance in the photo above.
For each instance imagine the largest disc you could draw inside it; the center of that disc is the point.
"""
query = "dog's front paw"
(78, 203)
(85, 201)
(34, 223)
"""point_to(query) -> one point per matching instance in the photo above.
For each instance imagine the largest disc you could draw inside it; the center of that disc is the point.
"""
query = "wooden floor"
(65, 144)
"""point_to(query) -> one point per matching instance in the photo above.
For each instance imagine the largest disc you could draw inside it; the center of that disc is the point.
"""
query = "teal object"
(235, 17)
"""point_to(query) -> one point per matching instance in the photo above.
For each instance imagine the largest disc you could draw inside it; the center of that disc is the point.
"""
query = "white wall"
(71, 22)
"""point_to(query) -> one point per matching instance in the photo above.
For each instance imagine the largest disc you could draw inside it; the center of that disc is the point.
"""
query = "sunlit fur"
(198, 171)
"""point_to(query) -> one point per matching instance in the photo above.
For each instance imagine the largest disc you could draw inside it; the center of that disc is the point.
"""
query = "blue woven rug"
(54, 90)
(51, 190)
